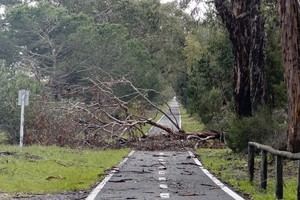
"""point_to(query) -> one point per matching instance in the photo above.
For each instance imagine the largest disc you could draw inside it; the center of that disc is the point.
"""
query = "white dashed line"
(162, 178)
(179, 118)
(161, 153)
(164, 195)
(161, 160)
(163, 186)
(162, 168)
(161, 172)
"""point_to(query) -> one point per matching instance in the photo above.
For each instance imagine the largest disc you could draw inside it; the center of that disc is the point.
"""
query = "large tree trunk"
(246, 31)
(290, 38)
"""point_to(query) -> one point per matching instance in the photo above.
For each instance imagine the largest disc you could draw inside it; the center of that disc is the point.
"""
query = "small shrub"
(257, 128)
(51, 125)
(11, 83)
(208, 105)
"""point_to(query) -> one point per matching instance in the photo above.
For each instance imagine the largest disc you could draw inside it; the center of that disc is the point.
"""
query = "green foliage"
(192, 50)
(63, 44)
(208, 105)
(277, 94)
(11, 83)
(71, 41)
(257, 128)
(42, 36)
(206, 87)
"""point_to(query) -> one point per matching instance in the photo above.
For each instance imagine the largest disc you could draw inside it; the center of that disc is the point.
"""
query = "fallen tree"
(101, 117)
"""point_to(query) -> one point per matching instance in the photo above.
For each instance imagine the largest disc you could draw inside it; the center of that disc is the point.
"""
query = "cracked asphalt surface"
(138, 178)
(161, 175)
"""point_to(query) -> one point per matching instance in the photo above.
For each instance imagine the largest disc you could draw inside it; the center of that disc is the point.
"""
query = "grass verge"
(231, 168)
(190, 123)
(39, 170)
(3, 138)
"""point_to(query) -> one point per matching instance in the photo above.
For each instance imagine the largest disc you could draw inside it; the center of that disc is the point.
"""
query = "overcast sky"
(1, 9)
(193, 4)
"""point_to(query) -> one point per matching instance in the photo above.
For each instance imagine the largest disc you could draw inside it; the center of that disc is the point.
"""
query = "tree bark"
(290, 39)
(246, 31)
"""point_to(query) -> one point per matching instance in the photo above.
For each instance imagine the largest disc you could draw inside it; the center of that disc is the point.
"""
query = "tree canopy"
(225, 67)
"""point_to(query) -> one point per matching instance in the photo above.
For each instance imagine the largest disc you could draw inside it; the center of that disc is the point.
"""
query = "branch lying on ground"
(132, 122)
(206, 135)
(106, 117)
(175, 123)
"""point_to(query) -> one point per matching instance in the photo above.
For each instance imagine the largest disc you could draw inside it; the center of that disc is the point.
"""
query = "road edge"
(156, 122)
(100, 186)
(226, 189)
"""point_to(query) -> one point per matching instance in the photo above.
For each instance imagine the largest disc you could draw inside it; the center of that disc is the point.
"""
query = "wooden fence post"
(263, 170)
(251, 155)
(279, 178)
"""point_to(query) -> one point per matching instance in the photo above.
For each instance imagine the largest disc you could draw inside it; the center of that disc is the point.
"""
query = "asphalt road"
(162, 175)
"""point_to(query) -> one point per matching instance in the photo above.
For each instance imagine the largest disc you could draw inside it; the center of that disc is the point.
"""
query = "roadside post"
(23, 100)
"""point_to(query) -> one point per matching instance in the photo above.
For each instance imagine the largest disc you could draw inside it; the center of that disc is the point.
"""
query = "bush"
(53, 124)
(11, 82)
(208, 105)
(257, 128)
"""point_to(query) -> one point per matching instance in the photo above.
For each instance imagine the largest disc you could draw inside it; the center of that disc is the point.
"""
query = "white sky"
(193, 4)
(2, 9)
(166, 1)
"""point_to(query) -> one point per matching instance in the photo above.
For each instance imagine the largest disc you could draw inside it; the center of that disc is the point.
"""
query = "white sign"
(23, 97)
(23, 101)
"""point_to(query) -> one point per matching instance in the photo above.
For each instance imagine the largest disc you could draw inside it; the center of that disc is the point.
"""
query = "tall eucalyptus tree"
(245, 25)
(290, 37)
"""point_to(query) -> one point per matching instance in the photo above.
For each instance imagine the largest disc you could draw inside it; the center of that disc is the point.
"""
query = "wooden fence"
(279, 155)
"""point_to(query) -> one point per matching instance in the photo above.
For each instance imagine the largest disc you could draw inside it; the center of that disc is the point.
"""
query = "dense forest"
(83, 60)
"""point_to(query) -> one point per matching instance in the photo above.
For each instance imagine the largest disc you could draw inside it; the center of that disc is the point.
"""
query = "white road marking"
(161, 172)
(163, 186)
(162, 168)
(99, 187)
(164, 195)
(162, 178)
(161, 160)
(161, 153)
(179, 118)
(233, 194)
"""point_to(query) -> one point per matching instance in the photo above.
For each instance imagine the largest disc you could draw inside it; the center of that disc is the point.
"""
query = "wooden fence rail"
(280, 155)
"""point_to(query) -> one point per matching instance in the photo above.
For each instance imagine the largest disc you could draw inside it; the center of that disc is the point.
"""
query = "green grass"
(37, 169)
(190, 123)
(3, 137)
(231, 168)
